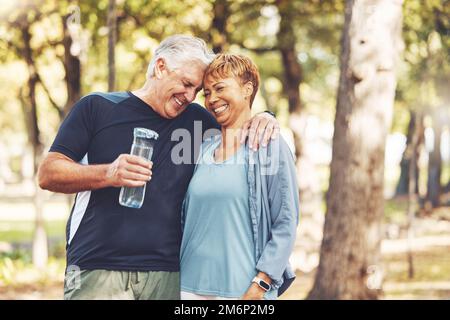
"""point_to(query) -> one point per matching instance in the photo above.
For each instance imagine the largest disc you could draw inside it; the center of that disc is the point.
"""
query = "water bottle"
(144, 140)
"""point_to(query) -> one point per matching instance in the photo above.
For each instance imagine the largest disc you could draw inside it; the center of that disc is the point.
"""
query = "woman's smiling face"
(226, 98)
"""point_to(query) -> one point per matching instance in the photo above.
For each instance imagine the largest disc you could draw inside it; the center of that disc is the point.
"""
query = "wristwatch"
(261, 283)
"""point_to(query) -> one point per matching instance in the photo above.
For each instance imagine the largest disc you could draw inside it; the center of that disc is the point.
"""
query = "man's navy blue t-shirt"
(102, 234)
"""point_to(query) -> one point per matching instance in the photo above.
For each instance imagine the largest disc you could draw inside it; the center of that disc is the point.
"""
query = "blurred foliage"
(17, 271)
(250, 27)
(425, 72)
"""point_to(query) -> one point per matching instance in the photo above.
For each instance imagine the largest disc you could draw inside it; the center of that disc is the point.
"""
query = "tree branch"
(257, 50)
(53, 102)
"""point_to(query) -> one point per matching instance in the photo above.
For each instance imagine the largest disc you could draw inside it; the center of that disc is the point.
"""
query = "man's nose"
(190, 95)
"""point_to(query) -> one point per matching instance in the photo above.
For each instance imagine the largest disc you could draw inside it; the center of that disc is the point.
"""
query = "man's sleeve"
(75, 133)
(208, 121)
(210, 127)
(211, 123)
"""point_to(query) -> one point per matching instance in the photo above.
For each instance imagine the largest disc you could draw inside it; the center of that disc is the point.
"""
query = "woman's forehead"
(211, 80)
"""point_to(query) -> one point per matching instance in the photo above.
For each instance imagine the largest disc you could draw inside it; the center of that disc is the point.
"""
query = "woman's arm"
(282, 189)
(255, 292)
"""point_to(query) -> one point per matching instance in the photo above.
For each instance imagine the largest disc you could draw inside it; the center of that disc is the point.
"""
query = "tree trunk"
(446, 187)
(412, 189)
(267, 99)
(349, 266)
(72, 68)
(291, 68)
(415, 127)
(310, 193)
(112, 38)
(40, 245)
(218, 35)
(435, 166)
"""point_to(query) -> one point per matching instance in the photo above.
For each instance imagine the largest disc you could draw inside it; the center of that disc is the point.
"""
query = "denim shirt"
(274, 208)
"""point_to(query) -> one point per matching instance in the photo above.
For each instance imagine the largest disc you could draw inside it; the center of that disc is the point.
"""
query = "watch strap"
(261, 283)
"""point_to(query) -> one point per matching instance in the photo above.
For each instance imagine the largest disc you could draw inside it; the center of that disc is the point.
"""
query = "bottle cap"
(145, 133)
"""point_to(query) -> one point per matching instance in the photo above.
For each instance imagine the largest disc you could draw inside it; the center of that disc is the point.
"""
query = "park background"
(373, 169)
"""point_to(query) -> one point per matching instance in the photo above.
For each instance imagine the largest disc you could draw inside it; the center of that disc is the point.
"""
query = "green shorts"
(121, 285)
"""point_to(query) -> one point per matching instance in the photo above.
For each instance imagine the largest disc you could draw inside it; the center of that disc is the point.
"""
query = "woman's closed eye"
(218, 89)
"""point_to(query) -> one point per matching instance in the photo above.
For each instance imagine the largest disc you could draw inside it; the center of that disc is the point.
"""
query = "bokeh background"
(54, 52)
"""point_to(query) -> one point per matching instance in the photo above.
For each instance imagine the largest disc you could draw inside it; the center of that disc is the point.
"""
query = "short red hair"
(239, 66)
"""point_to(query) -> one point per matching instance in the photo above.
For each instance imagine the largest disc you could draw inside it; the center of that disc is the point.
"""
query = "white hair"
(180, 48)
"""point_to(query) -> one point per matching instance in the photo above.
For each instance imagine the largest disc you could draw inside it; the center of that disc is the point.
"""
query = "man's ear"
(160, 68)
(248, 89)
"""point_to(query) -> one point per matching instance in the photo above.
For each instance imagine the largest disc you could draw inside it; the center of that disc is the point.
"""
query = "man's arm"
(59, 173)
(261, 125)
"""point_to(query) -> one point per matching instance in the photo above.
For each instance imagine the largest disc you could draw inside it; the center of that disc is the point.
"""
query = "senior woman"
(241, 209)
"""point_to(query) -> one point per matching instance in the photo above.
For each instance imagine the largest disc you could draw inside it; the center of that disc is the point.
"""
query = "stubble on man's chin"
(174, 115)
(179, 112)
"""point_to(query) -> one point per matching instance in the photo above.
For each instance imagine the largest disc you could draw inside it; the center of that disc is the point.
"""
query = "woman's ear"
(248, 90)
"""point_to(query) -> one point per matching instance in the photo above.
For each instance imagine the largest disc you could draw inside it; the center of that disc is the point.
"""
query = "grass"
(431, 279)
(395, 211)
(431, 275)
(22, 231)
(431, 265)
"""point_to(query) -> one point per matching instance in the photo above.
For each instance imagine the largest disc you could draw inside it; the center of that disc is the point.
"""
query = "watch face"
(264, 285)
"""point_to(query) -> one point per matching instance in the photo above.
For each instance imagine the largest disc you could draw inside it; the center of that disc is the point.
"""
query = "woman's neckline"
(231, 157)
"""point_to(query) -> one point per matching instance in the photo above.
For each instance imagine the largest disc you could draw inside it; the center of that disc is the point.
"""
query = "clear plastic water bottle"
(144, 140)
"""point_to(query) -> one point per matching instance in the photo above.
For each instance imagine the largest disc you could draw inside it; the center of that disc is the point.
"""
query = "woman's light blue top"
(218, 250)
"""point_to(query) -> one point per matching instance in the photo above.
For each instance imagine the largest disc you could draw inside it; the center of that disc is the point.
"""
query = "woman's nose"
(212, 97)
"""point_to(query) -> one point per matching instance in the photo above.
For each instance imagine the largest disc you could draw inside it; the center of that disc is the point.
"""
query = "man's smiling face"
(178, 87)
